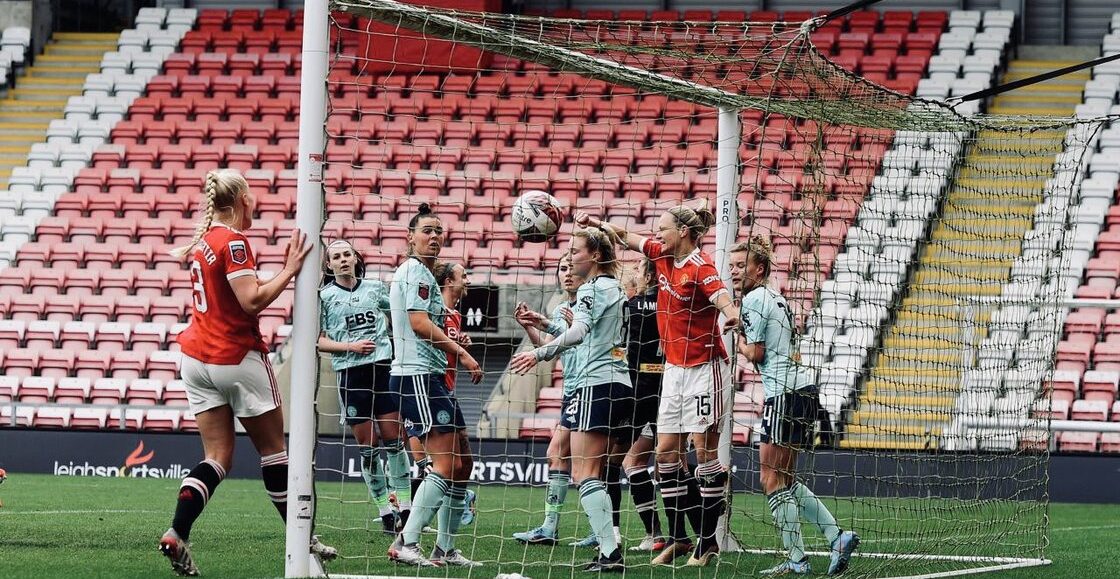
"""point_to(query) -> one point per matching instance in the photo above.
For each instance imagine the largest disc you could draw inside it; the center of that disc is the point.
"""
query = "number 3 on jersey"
(199, 289)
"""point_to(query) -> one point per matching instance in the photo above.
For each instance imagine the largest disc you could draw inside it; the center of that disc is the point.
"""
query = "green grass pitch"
(96, 527)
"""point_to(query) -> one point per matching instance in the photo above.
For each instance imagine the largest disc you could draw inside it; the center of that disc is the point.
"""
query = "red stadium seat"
(35, 390)
(89, 418)
(163, 365)
(144, 392)
(128, 364)
(91, 364)
(72, 390)
(63, 308)
(26, 307)
(1089, 410)
(125, 419)
(51, 417)
(108, 391)
(175, 393)
(537, 428)
(1078, 441)
(56, 363)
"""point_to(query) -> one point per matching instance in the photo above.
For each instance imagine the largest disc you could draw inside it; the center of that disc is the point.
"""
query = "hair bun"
(424, 209)
(762, 245)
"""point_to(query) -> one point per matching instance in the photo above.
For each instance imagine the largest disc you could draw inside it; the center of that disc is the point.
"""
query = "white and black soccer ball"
(536, 216)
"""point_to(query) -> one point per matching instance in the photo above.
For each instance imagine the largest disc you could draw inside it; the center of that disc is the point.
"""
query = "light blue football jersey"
(766, 318)
(601, 357)
(350, 315)
(414, 289)
(567, 362)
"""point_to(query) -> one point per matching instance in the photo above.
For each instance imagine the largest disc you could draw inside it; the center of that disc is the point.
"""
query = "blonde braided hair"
(223, 187)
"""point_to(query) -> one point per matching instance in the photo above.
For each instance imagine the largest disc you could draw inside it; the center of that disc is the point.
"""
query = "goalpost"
(886, 211)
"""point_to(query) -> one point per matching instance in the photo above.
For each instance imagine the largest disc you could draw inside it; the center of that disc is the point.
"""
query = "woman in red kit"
(225, 363)
(696, 383)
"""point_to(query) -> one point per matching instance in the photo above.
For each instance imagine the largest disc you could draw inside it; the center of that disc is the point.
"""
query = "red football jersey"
(452, 322)
(686, 318)
(220, 331)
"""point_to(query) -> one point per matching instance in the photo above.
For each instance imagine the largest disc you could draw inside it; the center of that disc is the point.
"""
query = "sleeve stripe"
(721, 291)
(241, 273)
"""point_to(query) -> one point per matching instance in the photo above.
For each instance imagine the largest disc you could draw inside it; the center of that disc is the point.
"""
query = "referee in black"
(647, 362)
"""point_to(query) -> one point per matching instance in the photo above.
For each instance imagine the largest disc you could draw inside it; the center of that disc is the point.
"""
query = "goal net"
(923, 253)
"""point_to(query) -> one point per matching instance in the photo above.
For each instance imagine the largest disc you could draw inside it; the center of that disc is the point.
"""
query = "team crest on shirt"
(443, 417)
(423, 291)
(238, 252)
(684, 279)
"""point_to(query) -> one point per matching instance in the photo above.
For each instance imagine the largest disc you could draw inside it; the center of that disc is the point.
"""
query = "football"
(536, 216)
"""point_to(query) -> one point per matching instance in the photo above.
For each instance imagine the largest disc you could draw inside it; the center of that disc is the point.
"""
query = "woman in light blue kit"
(788, 417)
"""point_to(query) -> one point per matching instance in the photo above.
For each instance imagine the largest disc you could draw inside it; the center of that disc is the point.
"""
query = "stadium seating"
(1088, 359)
(188, 91)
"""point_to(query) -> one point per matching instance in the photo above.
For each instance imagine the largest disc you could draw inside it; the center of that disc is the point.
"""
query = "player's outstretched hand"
(524, 362)
(298, 248)
(568, 315)
(731, 324)
(519, 313)
(529, 318)
(471, 366)
(363, 347)
(465, 340)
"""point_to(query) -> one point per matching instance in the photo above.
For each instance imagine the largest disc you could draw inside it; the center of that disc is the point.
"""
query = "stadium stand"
(894, 49)
(1084, 386)
(985, 387)
(110, 326)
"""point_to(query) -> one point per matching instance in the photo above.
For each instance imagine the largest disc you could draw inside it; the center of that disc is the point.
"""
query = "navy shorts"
(427, 405)
(603, 408)
(790, 419)
(363, 392)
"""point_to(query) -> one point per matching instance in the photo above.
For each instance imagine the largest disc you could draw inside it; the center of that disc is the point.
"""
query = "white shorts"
(694, 399)
(249, 388)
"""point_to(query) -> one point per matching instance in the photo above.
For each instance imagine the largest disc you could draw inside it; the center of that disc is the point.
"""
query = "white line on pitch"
(1094, 528)
(79, 512)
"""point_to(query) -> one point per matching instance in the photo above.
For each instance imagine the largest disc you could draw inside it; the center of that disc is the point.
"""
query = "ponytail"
(698, 221)
(598, 240)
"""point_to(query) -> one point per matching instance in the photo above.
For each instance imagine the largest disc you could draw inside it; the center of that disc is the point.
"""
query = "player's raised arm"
(630, 240)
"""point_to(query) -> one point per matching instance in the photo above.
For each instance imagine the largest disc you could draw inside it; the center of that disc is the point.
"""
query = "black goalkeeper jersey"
(643, 343)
